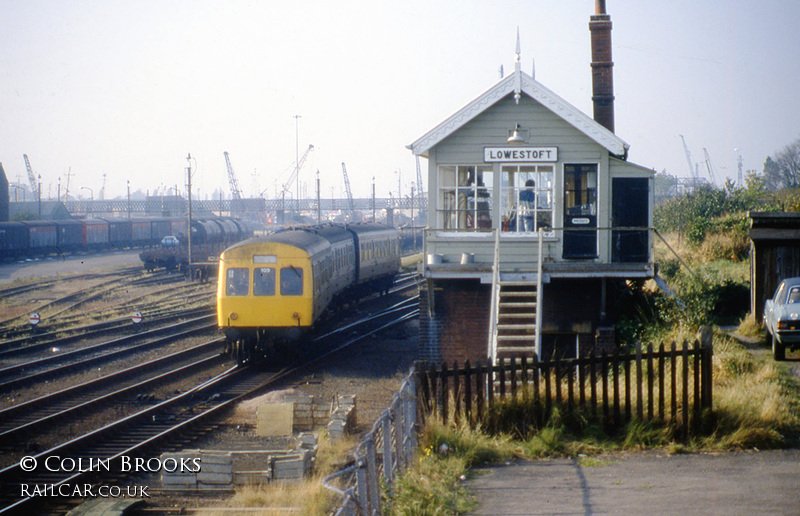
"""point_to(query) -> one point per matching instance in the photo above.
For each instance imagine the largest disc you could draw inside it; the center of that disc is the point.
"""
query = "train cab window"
(291, 281)
(264, 281)
(236, 281)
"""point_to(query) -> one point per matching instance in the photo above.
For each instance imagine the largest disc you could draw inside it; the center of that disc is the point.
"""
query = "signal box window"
(465, 197)
(236, 282)
(291, 281)
(264, 281)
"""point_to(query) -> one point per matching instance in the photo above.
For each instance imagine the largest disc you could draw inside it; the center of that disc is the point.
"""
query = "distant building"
(29, 210)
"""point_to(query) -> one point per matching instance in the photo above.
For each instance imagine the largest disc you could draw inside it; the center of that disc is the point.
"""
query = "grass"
(756, 406)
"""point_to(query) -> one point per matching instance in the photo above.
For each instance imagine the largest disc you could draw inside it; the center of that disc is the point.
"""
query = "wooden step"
(513, 326)
(516, 338)
(516, 315)
(511, 283)
(523, 293)
(512, 304)
(516, 349)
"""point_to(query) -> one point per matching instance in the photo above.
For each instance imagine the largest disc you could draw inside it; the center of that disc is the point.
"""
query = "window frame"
(512, 182)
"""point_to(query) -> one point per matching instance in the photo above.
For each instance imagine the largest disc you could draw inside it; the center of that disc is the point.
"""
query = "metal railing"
(387, 449)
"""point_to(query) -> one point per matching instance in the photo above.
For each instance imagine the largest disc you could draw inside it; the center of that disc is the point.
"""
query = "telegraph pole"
(319, 207)
(189, 230)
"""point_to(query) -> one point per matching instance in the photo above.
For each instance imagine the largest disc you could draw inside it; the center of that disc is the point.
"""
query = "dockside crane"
(31, 177)
(349, 193)
(710, 168)
(296, 171)
(236, 194)
(692, 170)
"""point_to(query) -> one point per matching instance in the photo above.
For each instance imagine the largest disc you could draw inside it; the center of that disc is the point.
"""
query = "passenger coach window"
(264, 281)
(236, 282)
(291, 281)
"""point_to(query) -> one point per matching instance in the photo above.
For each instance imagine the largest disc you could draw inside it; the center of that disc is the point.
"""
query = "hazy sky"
(128, 88)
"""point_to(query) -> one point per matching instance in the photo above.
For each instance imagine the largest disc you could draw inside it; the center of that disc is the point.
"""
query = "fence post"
(502, 364)
(593, 382)
(604, 369)
(615, 365)
(698, 409)
(628, 407)
(650, 382)
(443, 394)
(372, 476)
(457, 392)
(673, 366)
(661, 393)
(709, 380)
(685, 385)
(480, 385)
(361, 485)
(468, 393)
(639, 399)
(388, 469)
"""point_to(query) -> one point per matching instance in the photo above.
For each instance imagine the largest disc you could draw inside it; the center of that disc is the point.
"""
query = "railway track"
(66, 309)
(46, 368)
(178, 420)
(32, 417)
(21, 346)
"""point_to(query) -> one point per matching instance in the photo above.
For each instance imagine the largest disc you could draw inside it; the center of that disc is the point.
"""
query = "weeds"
(756, 405)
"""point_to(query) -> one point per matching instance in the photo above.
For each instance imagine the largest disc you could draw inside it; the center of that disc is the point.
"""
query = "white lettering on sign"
(526, 154)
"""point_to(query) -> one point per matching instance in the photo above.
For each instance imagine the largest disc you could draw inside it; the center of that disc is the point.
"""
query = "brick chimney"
(602, 66)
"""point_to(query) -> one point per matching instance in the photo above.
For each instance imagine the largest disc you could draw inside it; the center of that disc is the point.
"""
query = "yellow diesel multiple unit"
(271, 289)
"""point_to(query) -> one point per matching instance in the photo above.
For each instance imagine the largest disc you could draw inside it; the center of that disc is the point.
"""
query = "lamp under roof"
(516, 137)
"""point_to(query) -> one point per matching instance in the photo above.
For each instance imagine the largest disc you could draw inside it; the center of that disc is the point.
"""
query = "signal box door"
(580, 211)
(629, 210)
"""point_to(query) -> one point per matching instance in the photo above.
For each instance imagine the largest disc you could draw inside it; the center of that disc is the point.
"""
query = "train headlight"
(234, 316)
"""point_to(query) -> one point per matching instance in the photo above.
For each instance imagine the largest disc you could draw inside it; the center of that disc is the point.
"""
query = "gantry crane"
(236, 194)
(31, 177)
(349, 193)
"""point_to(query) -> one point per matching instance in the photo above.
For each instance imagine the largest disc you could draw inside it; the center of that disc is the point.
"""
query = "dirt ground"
(47, 267)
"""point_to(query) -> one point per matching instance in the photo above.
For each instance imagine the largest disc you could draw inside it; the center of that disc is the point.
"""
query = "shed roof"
(520, 83)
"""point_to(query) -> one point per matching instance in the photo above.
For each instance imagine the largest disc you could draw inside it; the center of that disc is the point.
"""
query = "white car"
(782, 318)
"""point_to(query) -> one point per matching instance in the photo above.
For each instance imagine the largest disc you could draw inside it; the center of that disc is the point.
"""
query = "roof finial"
(517, 72)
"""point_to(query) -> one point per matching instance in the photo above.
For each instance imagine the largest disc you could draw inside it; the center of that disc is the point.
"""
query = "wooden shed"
(774, 254)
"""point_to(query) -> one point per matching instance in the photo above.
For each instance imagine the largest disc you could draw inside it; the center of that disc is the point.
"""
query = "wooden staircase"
(516, 317)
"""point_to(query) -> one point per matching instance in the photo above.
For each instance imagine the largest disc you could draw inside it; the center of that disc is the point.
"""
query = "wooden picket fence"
(673, 386)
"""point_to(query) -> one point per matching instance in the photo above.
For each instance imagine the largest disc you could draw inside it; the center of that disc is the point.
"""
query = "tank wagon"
(272, 289)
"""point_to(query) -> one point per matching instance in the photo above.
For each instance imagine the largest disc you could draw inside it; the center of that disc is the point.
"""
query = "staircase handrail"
(495, 299)
(539, 269)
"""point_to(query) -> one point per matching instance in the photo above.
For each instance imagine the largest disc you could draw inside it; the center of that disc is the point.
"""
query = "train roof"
(306, 240)
(311, 238)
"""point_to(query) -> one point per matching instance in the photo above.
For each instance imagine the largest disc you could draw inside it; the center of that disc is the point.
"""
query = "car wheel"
(778, 349)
